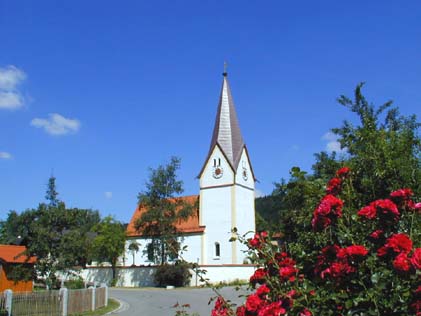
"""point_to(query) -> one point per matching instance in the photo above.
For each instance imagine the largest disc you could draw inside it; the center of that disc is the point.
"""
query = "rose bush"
(354, 262)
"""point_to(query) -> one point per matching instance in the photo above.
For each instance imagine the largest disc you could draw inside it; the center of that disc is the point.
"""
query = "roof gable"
(15, 254)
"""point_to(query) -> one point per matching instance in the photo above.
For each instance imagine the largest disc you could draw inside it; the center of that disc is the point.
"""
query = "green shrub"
(75, 284)
(173, 274)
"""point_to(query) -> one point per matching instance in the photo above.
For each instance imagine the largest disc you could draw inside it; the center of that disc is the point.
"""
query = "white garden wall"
(144, 276)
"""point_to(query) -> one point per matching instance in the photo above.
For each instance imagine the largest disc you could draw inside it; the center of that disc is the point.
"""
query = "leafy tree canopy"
(108, 245)
(383, 148)
(163, 209)
(60, 238)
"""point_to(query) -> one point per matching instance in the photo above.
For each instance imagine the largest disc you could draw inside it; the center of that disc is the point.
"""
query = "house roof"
(15, 254)
(191, 225)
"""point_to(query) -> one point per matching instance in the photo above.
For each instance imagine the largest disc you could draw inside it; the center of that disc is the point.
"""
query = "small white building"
(226, 198)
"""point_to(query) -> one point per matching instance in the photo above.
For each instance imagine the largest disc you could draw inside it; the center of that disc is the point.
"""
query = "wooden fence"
(53, 303)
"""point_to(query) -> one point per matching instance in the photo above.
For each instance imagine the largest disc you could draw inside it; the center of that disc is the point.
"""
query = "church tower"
(226, 187)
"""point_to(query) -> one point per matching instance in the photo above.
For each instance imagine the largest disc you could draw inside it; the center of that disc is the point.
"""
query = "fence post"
(93, 297)
(104, 285)
(9, 296)
(64, 294)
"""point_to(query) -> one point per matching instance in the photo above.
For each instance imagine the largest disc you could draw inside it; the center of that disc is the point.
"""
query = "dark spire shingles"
(227, 133)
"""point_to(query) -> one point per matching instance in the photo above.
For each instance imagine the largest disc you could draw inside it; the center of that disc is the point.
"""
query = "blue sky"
(98, 91)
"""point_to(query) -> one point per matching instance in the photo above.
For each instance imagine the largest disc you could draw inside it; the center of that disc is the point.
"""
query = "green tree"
(51, 194)
(60, 238)
(133, 248)
(163, 210)
(384, 149)
(108, 245)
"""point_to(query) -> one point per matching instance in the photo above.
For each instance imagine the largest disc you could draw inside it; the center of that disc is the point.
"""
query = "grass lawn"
(112, 305)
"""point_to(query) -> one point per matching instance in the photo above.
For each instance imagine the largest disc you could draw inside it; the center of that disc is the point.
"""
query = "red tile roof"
(14, 254)
(191, 225)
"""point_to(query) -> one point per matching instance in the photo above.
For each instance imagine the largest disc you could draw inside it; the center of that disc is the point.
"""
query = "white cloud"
(10, 96)
(11, 77)
(333, 144)
(5, 155)
(57, 124)
(108, 195)
(10, 100)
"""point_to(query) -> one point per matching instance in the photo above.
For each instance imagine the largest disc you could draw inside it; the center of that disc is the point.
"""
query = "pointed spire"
(227, 132)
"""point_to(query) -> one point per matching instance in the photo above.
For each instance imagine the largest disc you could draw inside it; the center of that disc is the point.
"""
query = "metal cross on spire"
(225, 69)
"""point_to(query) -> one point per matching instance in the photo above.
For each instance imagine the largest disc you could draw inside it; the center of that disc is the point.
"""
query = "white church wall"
(216, 215)
(193, 243)
(194, 246)
(245, 219)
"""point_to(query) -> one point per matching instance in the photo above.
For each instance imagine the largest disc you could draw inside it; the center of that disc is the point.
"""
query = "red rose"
(402, 263)
(279, 256)
(292, 294)
(399, 243)
(334, 186)
(330, 208)
(264, 234)
(343, 172)
(352, 253)
(262, 291)
(255, 242)
(253, 303)
(416, 259)
(396, 244)
(368, 211)
(220, 308)
(377, 234)
(305, 312)
(259, 276)
(288, 273)
(403, 194)
(386, 208)
(273, 309)
(286, 262)
(356, 251)
(339, 269)
(241, 311)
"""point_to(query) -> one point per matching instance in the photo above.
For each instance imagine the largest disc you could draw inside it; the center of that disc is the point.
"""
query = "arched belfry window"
(217, 162)
(217, 250)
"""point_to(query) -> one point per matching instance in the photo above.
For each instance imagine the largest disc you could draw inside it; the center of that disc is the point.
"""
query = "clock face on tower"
(217, 172)
(245, 174)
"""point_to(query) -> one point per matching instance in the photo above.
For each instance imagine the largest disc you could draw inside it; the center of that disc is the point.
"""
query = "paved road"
(160, 302)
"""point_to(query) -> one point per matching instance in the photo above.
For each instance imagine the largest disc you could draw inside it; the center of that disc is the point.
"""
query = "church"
(225, 201)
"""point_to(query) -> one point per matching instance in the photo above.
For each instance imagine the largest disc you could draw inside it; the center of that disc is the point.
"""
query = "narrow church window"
(217, 250)
(214, 162)
(219, 162)
(150, 252)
